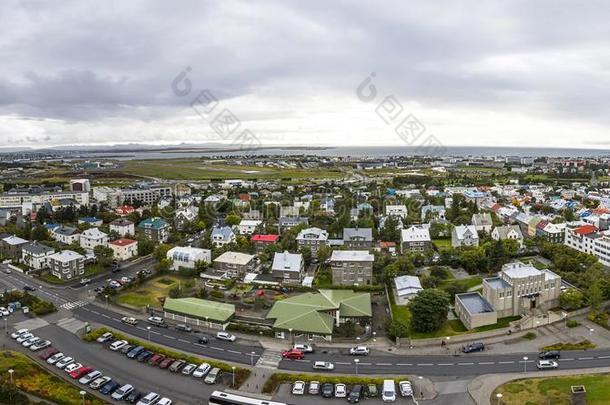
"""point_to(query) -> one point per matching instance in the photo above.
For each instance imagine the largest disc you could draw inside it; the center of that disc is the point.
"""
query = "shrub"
(396, 329)
(599, 317)
(582, 345)
(529, 336)
(571, 323)
(217, 294)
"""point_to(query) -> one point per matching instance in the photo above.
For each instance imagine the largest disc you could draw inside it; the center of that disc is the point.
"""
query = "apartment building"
(67, 264)
(352, 267)
(313, 238)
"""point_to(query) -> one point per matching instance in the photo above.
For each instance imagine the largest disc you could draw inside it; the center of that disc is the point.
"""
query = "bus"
(224, 398)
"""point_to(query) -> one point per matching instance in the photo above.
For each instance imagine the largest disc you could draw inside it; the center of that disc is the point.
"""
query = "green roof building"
(199, 312)
(316, 314)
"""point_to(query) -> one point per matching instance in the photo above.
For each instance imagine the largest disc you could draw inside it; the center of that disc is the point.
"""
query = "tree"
(323, 253)
(40, 233)
(397, 329)
(103, 254)
(306, 252)
(232, 220)
(429, 310)
(571, 299)
(594, 295)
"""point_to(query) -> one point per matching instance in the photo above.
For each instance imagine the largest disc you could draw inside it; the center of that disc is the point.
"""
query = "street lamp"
(421, 386)
(565, 319)
(291, 339)
(82, 395)
(10, 373)
(356, 361)
(374, 336)
(525, 364)
(499, 396)
(207, 324)
(233, 368)
(148, 329)
(252, 354)
(106, 299)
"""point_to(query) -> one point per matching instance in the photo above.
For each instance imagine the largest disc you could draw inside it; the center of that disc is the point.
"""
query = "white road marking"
(585, 358)
(169, 337)
(570, 359)
(487, 362)
(603, 357)
(465, 364)
(342, 363)
(383, 364)
(183, 341)
(445, 364)
(233, 351)
(217, 348)
(402, 364)
(425, 364)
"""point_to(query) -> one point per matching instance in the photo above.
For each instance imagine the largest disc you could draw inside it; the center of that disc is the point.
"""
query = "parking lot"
(180, 388)
(284, 394)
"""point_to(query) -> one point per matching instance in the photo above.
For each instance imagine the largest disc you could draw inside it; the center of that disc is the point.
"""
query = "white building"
(508, 232)
(123, 227)
(65, 234)
(124, 249)
(464, 235)
(248, 226)
(396, 211)
(407, 287)
(36, 255)
(415, 239)
(93, 237)
(313, 238)
(187, 257)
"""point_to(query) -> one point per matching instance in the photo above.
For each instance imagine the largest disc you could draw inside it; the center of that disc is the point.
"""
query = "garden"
(154, 291)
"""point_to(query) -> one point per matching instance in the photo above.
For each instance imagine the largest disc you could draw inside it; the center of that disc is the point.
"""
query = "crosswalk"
(72, 325)
(269, 359)
(74, 304)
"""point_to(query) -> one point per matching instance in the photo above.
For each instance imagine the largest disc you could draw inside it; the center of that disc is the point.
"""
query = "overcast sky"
(511, 73)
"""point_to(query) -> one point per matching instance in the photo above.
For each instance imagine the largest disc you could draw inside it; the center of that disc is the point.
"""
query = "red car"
(166, 362)
(48, 353)
(156, 359)
(79, 372)
(293, 354)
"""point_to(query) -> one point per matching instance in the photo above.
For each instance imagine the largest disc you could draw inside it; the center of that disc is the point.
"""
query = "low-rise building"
(415, 239)
(464, 235)
(508, 232)
(67, 264)
(93, 237)
(291, 222)
(482, 222)
(288, 267)
(407, 287)
(358, 238)
(474, 311)
(91, 221)
(155, 229)
(396, 211)
(248, 226)
(352, 267)
(262, 241)
(11, 246)
(221, 236)
(65, 234)
(234, 264)
(123, 227)
(199, 313)
(313, 238)
(36, 255)
(187, 257)
(124, 249)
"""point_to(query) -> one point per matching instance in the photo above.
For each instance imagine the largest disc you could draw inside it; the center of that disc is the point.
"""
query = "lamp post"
(148, 329)
(82, 395)
(106, 299)
(252, 354)
(374, 336)
(207, 323)
(525, 364)
(233, 369)
(291, 339)
(356, 361)
(10, 373)
(499, 396)
(565, 319)
(421, 386)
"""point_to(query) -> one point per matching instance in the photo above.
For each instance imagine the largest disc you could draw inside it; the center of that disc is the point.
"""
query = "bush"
(599, 317)
(582, 345)
(571, 323)
(439, 272)
(529, 336)
(245, 328)
(217, 294)
(396, 329)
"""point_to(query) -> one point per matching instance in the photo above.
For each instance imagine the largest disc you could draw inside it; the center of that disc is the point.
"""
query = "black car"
(549, 354)
(328, 390)
(133, 397)
(474, 347)
(183, 328)
(28, 288)
(355, 394)
(144, 356)
(203, 340)
(109, 387)
(135, 352)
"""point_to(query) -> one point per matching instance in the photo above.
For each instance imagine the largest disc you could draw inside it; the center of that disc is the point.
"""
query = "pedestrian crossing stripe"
(75, 304)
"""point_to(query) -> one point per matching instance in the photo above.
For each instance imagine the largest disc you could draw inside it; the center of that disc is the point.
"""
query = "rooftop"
(474, 303)
(122, 242)
(497, 282)
(234, 258)
(520, 270)
(351, 256)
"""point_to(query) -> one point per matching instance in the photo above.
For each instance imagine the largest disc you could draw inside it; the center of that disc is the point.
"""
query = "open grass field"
(195, 169)
(554, 390)
(31, 378)
(151, 292)
(442, 244)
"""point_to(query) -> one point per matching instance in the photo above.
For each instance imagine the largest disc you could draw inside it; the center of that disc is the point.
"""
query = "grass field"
(151, 291)
(442, 244)
(554, 390)
(195, 169)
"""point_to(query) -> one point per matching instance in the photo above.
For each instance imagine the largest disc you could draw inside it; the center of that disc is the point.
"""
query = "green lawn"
(152, 291)
(442, 244)
(554, 390)
(469, 282)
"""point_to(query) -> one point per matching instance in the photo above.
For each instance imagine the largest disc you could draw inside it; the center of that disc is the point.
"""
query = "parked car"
(99, 382)
(55, 358)
(371, 391)
(155, 359)
(64, 362)
(117, 345)
(549, 355)
(305, 348)
(474, 347)
(388, 393)
(114, 284)
(406, 390)
(176, 366)
(85, 281)
(86, 379)
(293, 354)
(546, 364)
(157, 321)
(133, 353)
(81, 371)
(127, 348)
(202, 370)
(125, 280)
(212, 376)
(166, 362)
(144, 356)
(355, 394)
(122, 392)
(30, 341)
(183, 328)
(129, 320)
(133, 397)
(164, 401)
(6, 270)
(314, 388)
(189, 368)
(24, 336)
(104, 338)
(72, 367)
(340, 390)
(19, 332)
(51, 351)
(359, 351)
(41, 344)
(328, 390)
(298, 388)
(109, 387)
(323, 365)
(4, 311)
(149, 399)
(222, 335)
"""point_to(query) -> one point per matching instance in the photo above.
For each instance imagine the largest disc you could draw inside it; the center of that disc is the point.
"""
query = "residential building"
(507, 232)
(291, 222)
(36, 255)
(155, 229)
(554, 233)
(313, 238)
(415, 239)
(288, 268)
(248, 226)
(93, 237)
(234, 264)
(352, 267)
(124, 249)
(406, 288)
(327, 205)
(187, 257)
(67, 264)
(11, 246)
(147, 195)
(38, 198)
(482, 222)
(65, 234)
(588, 239)
(91, 221)
(432, 213)
(358, 238)
(262, 241)
(221, 236)
(183, 217)
(314, 315)
(124, 210)
(123, 227)
(396, 211)
(464, 235)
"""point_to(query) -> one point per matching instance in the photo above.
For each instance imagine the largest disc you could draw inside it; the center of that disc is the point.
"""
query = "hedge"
(241, 374)
(582, 345)
(276, 379)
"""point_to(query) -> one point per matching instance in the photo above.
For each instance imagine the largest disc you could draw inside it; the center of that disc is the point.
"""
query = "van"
(388, 393)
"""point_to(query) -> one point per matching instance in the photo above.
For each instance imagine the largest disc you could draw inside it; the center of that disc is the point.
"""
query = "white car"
(55, 358)
(90, 377)
(41, 344)
(305, 348)
(4, 311)
(202, 370)
(150, 399)
(225, 336)
(122, 392)
(64, 362)
(323, 365)
(212, 376)
(298, 388)
(189, 368)
(359, 351)
(546, 364)
(164, 401)
(25, 336)
(18, 333)
(119, 344)
(30, 341)
(406, 390)
(340, 391)
(72, 367)
(104, 338)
